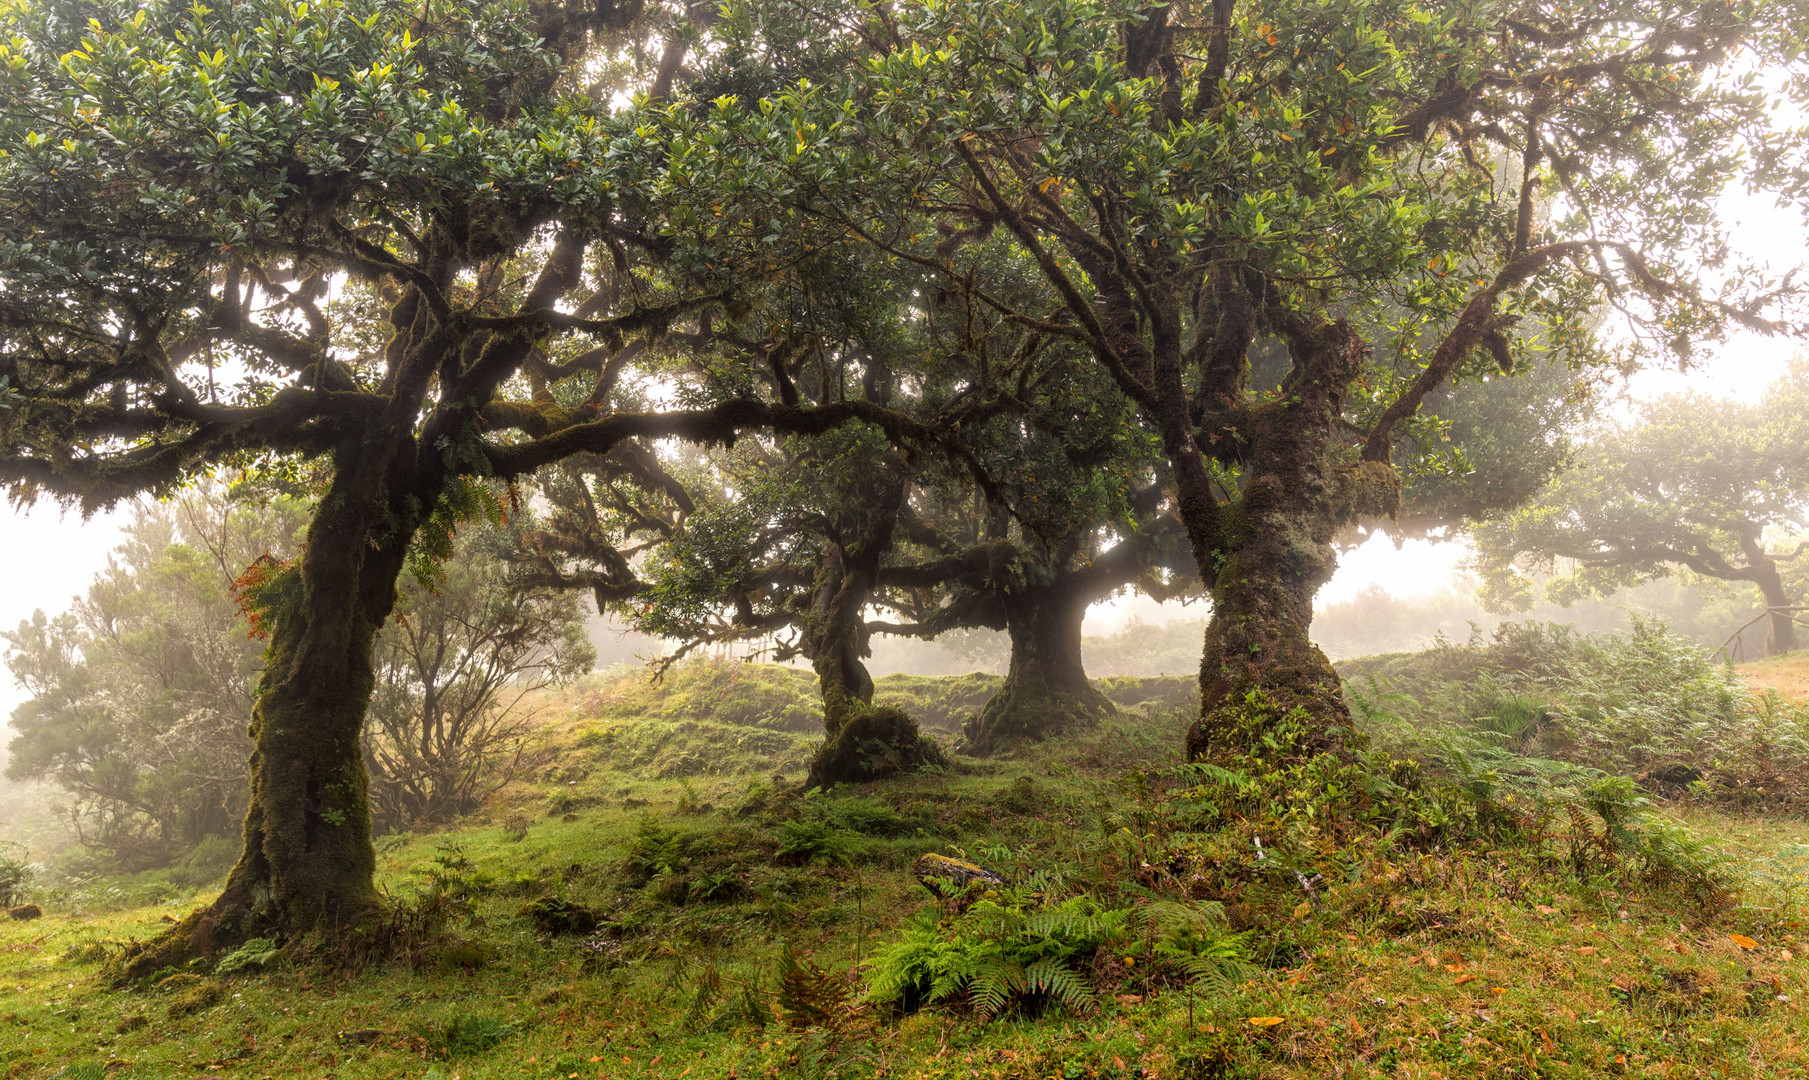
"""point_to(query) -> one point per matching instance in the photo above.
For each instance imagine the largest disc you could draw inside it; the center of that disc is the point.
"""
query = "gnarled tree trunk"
(861, 742)
(307, 864)
(1272, 551)
(1046, 689)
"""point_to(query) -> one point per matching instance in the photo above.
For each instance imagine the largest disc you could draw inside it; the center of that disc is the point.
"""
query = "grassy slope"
(1437, 965)
(1787, 674)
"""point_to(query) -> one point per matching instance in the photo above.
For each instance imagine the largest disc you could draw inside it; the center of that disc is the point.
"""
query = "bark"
(1271, 552)
(1781, 635)
(1046, 689)
(861, 743)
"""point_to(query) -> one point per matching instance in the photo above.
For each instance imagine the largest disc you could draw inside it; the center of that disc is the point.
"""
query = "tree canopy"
(1691, 482)
(1363, 182)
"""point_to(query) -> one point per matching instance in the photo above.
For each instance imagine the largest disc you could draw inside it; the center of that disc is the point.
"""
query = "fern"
(994, 959)
(808, 995)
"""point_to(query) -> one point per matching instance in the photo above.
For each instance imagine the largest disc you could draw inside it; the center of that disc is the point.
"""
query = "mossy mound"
(872, 743)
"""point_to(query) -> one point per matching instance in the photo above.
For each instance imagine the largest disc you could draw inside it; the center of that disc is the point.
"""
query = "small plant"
(816, 841)
(995, 958)
(15, 873)
(254, 953)
(464, 1036)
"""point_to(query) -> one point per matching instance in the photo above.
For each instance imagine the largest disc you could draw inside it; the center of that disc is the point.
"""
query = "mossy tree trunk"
(1271, 550)
(1046, 688)
(861, 742)
(307, 864)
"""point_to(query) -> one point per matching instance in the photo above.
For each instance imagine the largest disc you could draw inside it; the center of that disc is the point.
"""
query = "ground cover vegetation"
(650, 900)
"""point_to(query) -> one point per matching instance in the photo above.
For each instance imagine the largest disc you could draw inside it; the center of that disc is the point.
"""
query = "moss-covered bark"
(861, 742)
(307, 864)
(1046, 689)
(1272, 550)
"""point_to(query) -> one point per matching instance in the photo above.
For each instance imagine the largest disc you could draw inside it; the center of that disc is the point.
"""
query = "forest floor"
(736, 924)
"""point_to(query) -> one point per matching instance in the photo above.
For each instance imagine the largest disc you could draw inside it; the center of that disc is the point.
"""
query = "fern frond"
(1056, 979)
(994, 985)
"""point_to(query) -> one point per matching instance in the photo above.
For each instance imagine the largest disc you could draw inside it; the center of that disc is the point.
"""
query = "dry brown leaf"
(1743, 941)
(1461, 979)
(1263, 1021)
(1787, 956)
(1588, 950)
(1543, 910)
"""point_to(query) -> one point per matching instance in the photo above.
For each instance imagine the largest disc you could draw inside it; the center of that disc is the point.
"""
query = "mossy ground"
(1429, 963)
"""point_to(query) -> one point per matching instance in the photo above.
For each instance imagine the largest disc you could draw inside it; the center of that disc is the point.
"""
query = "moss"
(1027, 709)
(170, 949)
(197, 998)
(871, 743)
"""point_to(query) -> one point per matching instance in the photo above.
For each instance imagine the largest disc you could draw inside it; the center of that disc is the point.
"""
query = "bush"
(1645, 704)
(15, 873)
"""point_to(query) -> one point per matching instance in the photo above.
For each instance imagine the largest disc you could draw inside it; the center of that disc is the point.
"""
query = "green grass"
(714, 889)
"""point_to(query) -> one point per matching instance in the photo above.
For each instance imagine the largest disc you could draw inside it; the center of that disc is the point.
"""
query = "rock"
(25, 911)
(956, 880)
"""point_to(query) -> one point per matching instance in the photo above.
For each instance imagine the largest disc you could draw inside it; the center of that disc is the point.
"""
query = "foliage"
(1383, 201)
(446, 725)
(1691, 482)
(1644, 705)
(994, 957)
(465, 1036)
(15, 873)
(140, 693)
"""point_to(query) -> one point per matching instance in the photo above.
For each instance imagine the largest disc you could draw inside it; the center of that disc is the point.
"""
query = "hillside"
(653, 901)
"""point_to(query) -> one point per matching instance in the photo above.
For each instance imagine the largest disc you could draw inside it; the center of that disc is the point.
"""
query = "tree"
(1069, 510)
(139, 693)
(1691, 482)
(445, 726)
(371, 236)
(1361, 182)
(786, 538)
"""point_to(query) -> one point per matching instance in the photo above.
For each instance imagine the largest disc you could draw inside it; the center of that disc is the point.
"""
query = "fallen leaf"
(1356, 1029)
(1787, 956)
(1620, 1059)
(1461, 979)
(1454, 967)
(1303, 910)
(1743, 941)
(1497, 989)
(1543, 910)
(1588, 950)
(1117, 1063)
(1263, 1021)
(1430, 961)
